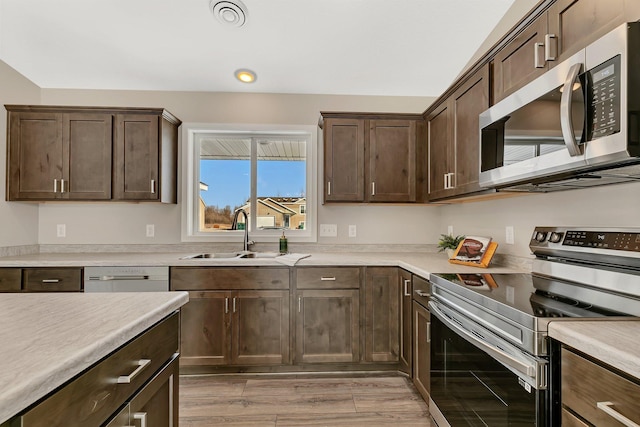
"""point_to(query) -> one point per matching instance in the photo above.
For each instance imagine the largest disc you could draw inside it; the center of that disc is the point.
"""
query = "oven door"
(476, 380)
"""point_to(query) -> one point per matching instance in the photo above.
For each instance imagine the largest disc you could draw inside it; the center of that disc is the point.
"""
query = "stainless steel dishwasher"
(126, 279)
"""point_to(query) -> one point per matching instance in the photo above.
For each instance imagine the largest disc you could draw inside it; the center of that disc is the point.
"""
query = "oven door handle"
(504, 358)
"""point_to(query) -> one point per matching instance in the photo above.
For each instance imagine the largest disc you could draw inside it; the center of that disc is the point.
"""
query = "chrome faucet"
(234, 226)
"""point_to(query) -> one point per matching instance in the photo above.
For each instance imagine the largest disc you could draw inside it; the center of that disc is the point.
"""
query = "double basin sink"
(233, 255)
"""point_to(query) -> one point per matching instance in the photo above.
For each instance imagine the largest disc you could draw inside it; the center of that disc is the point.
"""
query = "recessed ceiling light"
(230, 13)
(245, 76)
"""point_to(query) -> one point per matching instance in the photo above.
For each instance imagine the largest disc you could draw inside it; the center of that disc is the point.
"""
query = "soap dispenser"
(283, 244)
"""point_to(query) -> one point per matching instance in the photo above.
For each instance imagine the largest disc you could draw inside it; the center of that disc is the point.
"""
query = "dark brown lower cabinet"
(406, 330)
(421, 349)
(382, 321)
(235, 328)
(156, 404)
(10, 279)
(327, 326)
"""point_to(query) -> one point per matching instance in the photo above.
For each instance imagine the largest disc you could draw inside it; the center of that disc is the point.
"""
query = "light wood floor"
(300, 401)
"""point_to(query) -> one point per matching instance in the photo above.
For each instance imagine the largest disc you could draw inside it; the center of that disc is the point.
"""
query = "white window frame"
(190, 173)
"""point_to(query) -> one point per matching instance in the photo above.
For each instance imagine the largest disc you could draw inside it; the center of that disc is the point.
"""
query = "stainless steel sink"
(233, 255)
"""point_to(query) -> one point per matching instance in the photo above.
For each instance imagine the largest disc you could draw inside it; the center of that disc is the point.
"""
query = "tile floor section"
(300, 401)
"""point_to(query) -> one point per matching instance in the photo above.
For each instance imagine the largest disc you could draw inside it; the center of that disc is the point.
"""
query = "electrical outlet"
(328, 230)
(352, 230)
(508, 235)
(151, 230)
(61, 230)
(450, 230)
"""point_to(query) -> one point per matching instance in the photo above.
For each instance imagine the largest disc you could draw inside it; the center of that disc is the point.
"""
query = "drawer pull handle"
(406, 288)
(606, 407)
(50, 280)
(126, 379)
(423, 294)
(142, 416)
(328, 279)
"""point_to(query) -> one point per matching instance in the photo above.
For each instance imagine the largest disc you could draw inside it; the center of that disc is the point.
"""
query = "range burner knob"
(555, 237)
(540, 236)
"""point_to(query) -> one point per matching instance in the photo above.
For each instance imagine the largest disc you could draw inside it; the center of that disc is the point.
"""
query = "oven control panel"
(569, 238)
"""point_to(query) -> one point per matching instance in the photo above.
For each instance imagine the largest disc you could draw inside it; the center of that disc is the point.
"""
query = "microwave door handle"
(501, 356)
(566, 121)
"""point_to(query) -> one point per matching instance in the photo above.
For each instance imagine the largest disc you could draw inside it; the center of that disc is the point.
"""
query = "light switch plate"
(352, 230)
(151, 230)
(328, 230)
(450, 230)
(61, 230)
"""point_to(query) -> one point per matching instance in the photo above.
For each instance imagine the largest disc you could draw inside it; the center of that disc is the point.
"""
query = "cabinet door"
(344, 160)
(421, 349)
(87, 156)
(157, 403)
(382, 327)
(327, 326)
(35, 151)
(260, 327)
(406, 329)
(515, 64)
(440, 136)
(136, 157)
(471, 99)
(392, 161)
(576, 23)
(10, 279)
(205, 329)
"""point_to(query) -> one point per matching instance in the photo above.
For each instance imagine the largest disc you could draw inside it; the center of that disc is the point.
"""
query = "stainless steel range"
(492, 362)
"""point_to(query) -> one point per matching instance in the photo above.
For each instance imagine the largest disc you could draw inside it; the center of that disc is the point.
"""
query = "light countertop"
(420, 263)
(614, 342)
(48, 338)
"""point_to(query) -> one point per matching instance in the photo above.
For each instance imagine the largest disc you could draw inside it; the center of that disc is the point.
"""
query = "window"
(267, 173)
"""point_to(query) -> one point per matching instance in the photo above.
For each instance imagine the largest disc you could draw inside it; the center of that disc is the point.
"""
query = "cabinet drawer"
(217, 278)
(93, 396)
(10, 279)
(570, 420)
(585, 383)
(328, 278)
(52, 279)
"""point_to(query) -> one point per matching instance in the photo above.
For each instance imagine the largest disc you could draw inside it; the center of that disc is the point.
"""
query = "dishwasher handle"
(119, 277)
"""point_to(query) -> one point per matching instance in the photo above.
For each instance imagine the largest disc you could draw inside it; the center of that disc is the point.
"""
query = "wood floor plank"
(235, 421)
(206, 385)
(408, 402)
(369, 419)
(382, 385)
(266, 405)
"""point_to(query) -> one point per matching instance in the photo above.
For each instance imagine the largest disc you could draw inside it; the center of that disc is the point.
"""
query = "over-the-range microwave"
(577, 125)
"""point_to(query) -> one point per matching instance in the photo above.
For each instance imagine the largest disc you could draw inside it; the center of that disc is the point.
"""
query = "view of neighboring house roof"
(275, 203)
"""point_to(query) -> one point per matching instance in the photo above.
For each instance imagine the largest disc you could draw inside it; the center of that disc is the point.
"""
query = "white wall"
(19, 221)
(607, 206)
(124, 223)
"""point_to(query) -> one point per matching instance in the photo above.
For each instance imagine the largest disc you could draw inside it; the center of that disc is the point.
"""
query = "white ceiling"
(352, 47)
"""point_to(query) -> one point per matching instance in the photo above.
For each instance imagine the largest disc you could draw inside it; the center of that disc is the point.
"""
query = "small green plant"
(447, 241)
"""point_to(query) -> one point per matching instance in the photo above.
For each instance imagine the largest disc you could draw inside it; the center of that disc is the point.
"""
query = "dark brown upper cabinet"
(91, 153)
(371, 157)
(453, 135)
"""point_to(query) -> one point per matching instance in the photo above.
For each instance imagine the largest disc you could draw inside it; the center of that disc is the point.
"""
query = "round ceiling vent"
(231, 13)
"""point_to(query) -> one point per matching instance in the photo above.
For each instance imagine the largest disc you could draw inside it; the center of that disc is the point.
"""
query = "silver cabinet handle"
(446, 181)
(537, 56)
(373, 188)
(606, 407)
(126, 379)
(566, 121)
(50, 280)
(55, 185)
(327, 279)
(234, 304)
(226, 305)
(62, 185)
(328, 188)
(423, 294)
(142, 416)
(451, 177)
(153, 186)
(406, 288)
(299, 304)
(428, 331)
(550, 47)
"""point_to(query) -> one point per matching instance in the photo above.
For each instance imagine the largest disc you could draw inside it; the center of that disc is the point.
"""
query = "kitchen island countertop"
(48, 338)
